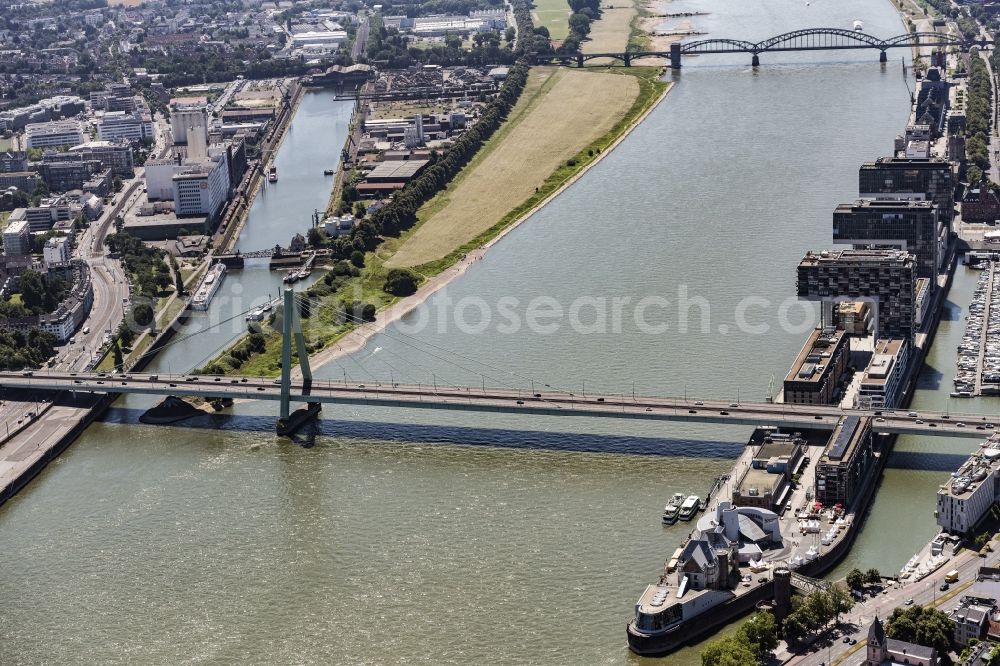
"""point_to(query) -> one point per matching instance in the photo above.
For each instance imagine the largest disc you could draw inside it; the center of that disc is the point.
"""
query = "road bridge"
(811, 39)
(507, 401)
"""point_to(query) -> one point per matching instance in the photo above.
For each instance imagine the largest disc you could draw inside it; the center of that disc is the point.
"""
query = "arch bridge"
(811, 39)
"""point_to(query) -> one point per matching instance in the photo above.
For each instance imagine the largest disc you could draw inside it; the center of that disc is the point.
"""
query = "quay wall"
(88, 415)
(709, 623)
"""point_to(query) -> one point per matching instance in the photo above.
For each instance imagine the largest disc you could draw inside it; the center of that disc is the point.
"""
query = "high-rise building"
(888, 176)
(912, 226)
(17, 237)
(887, 279)
(201, 187)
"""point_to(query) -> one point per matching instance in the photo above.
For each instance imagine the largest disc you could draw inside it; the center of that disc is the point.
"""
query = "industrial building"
(886, 279)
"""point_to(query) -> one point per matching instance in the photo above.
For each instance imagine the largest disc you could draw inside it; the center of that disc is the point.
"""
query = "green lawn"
(554, 15)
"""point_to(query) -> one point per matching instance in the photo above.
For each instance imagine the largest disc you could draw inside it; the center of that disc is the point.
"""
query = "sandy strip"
(357, 338)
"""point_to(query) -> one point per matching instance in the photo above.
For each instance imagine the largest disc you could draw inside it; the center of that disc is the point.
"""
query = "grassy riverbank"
(552, 123)
(643, 89)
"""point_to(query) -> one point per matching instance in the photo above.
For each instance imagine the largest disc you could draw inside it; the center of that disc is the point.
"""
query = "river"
(396, 536)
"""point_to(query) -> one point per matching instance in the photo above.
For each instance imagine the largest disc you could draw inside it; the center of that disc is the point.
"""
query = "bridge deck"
(550, 403)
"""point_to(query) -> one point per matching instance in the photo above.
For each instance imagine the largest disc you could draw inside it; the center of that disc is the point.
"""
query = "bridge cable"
(386, 331)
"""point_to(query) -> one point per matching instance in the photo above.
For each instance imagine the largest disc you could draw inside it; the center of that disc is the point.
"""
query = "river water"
(401, 536)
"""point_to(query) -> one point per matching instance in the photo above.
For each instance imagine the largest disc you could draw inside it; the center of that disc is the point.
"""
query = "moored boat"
(690, 507)
(673, 509)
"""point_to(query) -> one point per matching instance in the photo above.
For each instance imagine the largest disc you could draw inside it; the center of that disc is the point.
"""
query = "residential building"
(843, 466)
(17, 236)
(53, 108)
(972, 619)
(885, 279)
(47, 213)
(70, 314)
(22, 180)
(971, 491)
(884, 651)
(56, 252)
(883, 381)
(980, 204)
(12, 161)
(912, 226)
(116, 156)
(814, 378)
(52, 134)
(66, 175)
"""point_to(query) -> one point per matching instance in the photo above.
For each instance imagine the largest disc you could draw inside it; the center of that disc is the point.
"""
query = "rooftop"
(849, 432)
(813, 362)
(882, 257)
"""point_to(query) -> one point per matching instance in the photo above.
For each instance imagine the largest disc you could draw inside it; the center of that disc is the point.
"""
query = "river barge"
(209, 285)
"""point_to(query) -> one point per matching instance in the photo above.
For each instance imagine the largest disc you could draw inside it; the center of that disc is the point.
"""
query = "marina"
(978, 363)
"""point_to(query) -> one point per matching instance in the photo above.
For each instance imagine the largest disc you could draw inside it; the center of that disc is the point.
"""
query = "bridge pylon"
(291, 327)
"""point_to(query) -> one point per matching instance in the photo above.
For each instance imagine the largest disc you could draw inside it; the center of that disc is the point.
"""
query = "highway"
(549, 403)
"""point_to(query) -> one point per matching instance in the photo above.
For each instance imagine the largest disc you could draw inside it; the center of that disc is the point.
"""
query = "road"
(855, 624)
(360, 40)
(549, 403)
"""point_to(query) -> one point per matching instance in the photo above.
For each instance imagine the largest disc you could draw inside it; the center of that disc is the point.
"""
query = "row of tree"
(815, 611)
(584, 13)
(857, 580)
(978, 117)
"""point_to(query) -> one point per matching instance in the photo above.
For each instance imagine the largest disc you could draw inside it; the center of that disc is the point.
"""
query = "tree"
(116, 352)
(855, 579)
(143, 314)
(873, 577)
(921, 625)
(33, 291)
(728, 652)
(761, 633)
(840, 601)
(314, 237)
(358, 258)
(400, 282)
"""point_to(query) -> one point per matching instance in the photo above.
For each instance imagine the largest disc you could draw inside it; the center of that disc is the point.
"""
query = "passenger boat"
(690, 507)
(209, 285)
(272, 174)
(673, 509)
(329, 172)
(291, 278)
